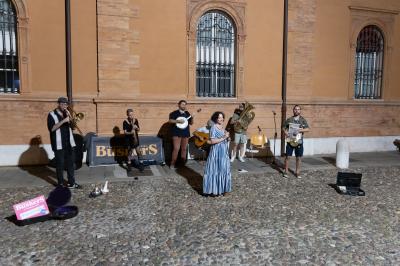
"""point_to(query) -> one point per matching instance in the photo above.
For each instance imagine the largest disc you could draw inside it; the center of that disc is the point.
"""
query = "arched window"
(9, 77)
(369, 63)
(215, 56)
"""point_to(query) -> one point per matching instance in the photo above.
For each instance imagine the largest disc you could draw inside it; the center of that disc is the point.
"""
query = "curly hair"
(215, 116)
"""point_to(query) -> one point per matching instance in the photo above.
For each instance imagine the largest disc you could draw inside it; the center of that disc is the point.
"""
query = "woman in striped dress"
(217, 173)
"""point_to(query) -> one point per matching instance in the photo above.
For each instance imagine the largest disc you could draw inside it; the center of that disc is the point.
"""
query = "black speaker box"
(349, 184)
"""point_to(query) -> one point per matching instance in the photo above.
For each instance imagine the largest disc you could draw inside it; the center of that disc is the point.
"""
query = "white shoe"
(232, 159)
(241, 159)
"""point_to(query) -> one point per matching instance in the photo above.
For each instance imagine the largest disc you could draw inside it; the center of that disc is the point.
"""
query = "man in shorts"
(301, 123)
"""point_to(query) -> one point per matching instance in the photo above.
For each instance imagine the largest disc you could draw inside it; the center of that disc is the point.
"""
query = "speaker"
(349, 184)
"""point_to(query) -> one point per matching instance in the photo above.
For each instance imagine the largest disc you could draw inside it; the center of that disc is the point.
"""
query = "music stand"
(275, 136)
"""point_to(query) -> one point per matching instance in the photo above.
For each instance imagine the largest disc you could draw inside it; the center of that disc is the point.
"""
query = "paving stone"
(165, 221)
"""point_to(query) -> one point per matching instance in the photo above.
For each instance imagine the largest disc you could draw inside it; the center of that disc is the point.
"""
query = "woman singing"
(217, 173)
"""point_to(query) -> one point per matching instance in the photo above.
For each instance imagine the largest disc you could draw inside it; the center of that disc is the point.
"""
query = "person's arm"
(125, 126)
(233, 119)
(218, 140)
(302, 130)
(136, 126)
(305, 127)
(191, 119)
(54, 126)
(286, 128)
(172, 119)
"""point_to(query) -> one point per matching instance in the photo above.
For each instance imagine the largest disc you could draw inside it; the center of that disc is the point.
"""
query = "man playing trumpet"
(62, 141)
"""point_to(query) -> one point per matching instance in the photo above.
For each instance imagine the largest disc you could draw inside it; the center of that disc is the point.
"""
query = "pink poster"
(31, 208)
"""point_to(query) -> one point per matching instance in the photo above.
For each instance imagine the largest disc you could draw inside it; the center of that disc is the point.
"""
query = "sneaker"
(298, 176)
(172, 167)
(74, 186)
(285, 175)
(232, 159)
(241, 159)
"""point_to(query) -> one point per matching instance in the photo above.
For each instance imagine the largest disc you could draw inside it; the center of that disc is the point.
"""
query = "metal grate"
(9, 78)
(215, 56)
(369, 63)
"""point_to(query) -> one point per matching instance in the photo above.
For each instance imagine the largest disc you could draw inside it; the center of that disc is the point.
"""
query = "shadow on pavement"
(37, 157)
(194, 179)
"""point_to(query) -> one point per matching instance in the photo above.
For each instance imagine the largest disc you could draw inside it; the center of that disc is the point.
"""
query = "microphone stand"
(275, 135)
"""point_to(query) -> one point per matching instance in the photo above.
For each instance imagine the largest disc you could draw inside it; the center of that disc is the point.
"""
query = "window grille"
(9, 78)
(369, 63)
(215, 56)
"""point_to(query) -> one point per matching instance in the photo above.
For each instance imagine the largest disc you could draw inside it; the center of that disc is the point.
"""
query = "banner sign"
(114, 150)
(31, 208)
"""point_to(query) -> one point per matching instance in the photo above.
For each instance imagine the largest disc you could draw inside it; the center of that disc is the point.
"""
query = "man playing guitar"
(180, 134)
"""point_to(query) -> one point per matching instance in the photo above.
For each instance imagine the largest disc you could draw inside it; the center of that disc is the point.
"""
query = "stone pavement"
(161, 218)
(31, 176)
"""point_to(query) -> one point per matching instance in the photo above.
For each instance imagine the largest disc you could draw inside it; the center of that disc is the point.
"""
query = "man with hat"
(62, 142)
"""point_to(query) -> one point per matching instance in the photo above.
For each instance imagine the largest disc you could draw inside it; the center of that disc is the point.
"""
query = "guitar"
(185, 120)
(200, 138)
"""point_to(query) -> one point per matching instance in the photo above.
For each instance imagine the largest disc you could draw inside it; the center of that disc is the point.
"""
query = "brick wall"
(301, 31)
(116, 40)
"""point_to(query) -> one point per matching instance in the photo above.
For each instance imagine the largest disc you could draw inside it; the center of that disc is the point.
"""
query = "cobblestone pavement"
(165, 221)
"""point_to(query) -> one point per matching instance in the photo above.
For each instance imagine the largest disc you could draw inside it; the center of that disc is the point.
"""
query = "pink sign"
(31, 208)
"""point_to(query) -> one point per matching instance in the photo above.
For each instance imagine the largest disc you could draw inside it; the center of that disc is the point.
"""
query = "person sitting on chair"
(202, 137)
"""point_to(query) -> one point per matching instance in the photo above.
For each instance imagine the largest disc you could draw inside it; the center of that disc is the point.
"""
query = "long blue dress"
(217, 173)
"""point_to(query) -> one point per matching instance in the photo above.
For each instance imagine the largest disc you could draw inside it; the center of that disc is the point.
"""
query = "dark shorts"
(298, 151)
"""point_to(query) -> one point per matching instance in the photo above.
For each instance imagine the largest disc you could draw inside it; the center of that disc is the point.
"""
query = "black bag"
(349, 184)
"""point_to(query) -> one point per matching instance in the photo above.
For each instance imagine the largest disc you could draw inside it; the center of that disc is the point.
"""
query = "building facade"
(343, 67)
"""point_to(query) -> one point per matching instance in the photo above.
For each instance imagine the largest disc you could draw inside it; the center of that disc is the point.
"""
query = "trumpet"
(75, 118)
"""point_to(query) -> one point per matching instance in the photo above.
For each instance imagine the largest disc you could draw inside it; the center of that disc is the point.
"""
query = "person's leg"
(298, 161)
(69, 160)
(139, 164)
(299, 154)
(184, 144)
(242, 149)
(241, 152)
(289, 152)
(286, 164)
(176, 143)
(233, 151)
(59, 154)
(235, 144)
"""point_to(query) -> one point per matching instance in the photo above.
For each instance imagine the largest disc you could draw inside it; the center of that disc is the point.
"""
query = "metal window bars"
(369, 63)
(9, 77)
(215, 56)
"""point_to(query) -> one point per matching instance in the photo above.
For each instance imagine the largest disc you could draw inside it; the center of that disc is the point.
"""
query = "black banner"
(114, 150)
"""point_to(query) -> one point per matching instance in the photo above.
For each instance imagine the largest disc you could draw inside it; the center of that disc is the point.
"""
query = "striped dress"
(217, 173)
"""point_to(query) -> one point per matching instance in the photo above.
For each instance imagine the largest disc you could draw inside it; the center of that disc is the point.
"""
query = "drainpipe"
(284, 74)
(68, 60)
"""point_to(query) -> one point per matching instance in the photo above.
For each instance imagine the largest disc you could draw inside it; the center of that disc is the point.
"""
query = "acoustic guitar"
(200, 138)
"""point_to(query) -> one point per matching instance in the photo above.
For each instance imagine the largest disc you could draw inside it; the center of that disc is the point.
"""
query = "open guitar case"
(59, 210)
